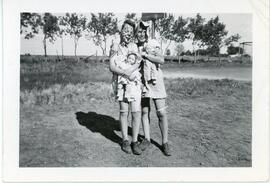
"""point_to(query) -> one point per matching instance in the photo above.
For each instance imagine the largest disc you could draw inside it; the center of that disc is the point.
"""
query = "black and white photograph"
(135, 91)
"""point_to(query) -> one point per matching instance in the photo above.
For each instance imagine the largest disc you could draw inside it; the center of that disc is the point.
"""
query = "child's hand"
(143, 54)
(153, 52)
(132, 76)
(139, 58)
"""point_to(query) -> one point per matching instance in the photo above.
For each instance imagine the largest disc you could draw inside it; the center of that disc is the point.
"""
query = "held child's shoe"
(125, 146)
(166, 149)
(145, 144)
(135, 148)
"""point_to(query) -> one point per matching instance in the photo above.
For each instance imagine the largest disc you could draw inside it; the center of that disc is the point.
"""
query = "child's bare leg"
(123, 119)
(146, 123)
(162, 117)
(136, 120)
(146, 117)
(163, 124)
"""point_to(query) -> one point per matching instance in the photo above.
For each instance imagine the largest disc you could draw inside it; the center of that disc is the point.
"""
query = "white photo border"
(260, 92)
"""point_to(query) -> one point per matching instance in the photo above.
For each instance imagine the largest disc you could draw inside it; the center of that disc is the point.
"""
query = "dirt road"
(235, 73)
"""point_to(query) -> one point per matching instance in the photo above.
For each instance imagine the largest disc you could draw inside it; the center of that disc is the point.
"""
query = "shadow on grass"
(106, 126)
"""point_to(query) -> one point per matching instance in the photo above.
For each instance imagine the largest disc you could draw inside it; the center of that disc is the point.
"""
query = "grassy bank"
(58, 94)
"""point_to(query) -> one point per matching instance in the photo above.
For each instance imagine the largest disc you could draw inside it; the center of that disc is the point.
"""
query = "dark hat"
(143, 25)
(129, 22)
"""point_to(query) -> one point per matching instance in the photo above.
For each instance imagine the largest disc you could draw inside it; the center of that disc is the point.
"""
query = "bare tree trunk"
(104, 54)
(62, 45)
(195, 56)
(198, 54)
(45, 46)
(194, 50)
(75, 49)
(219, 60)
(103, 50)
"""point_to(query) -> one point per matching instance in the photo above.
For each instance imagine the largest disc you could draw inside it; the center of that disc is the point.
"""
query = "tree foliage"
(62, 32)
(50, 29)
(165, 27)
(232, 39)
(213, 32)
(195, 33)
(101, 26)
(215, 36)
(179, 29)
(206, 36)
(195, 28)
(179, 49)
(172, 30)
(50, 26)
(30, 23)
(74, 24)
(132, 17)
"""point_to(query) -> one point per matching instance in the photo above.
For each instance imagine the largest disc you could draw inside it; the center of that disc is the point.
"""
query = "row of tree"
(180, 51)
(211, 34)
(97, 30)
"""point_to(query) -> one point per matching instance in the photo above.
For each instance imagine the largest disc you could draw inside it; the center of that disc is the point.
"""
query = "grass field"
(68, 118)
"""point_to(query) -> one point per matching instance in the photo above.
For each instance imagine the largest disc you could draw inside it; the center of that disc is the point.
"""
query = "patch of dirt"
(204, 131)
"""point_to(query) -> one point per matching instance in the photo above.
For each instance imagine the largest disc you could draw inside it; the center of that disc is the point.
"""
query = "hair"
(132, 53)
(129, 22)
(142, 26)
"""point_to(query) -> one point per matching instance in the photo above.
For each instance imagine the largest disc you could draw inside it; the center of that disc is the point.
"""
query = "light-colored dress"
(155, 90)
(125, 91)
(130, 87)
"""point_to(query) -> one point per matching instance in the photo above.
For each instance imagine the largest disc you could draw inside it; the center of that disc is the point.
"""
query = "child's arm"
(134, 75)
(154, 58)
(113, 67)
(118, 70)
(131, 69)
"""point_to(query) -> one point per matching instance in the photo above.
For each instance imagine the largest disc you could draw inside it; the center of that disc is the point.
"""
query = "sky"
(235, 23)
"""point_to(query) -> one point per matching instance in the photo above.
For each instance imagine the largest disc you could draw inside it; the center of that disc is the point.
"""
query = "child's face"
(141, 35)
(131, 59)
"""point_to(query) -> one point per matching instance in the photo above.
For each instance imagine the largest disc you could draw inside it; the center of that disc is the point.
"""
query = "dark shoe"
(126, 147)
(136, 148)
(166, 149)
(145, 144)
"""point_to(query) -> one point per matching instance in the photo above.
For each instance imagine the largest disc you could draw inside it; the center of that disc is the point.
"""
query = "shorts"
(134, 95)
(133, 106)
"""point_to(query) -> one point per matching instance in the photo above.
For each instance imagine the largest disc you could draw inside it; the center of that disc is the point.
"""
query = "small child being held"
(129, 87)
(152, 47)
